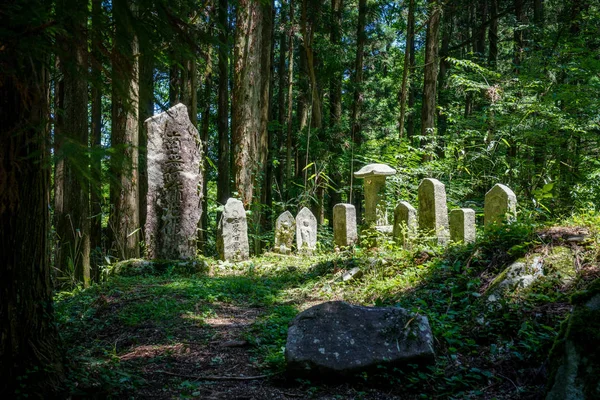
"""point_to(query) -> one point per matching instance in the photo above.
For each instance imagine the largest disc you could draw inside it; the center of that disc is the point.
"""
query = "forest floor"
(220, 335)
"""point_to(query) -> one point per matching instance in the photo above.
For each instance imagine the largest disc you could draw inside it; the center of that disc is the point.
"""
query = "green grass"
(479, 349)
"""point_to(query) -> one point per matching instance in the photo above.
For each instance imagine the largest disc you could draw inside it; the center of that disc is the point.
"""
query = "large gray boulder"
(340, 339)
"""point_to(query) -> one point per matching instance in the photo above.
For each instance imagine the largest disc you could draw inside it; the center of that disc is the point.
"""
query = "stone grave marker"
(433, 211)
(405, 222)
(285, 228)
(500, 205)
(306, 232)
(232, 232)
(344, 225)
(462, 225)
(374, 186)
(174, 185)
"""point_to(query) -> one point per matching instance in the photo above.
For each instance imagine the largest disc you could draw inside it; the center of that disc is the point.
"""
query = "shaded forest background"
(289, 97)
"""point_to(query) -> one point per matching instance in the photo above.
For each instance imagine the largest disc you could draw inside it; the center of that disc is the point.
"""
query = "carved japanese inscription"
(174, 185)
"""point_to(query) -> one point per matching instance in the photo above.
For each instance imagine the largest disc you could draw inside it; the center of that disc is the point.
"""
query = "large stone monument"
(232, 232)
(433, 211)
(374, 176)
(500, 205)
(462, 225)
(285, 228)
(174, 185)
(344, 225)
(405, 222)
(306, 232)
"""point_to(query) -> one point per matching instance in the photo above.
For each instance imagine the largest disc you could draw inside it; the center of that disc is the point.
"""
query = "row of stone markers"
(175, 194)
(459, 225)
(232, 232)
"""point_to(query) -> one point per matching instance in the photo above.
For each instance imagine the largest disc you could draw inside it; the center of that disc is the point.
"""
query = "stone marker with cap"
(174, 185)
(462, 225)
(433, 211)
(232, 232)
(374, 176)
(500, 205)
(405, 222)
(344, 225)
(285, 228)
(306, 232)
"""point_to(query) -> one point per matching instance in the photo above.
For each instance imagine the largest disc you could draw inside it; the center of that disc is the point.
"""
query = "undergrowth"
(482, 349)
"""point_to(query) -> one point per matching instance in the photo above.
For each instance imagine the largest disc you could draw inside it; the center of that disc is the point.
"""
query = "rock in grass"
(557, 262)
(138, 267)
(340, 339)
(354, 273)
(575, 357)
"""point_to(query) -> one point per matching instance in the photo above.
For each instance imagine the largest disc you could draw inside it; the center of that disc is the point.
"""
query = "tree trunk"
(203, 231)
(361, 37)
(281, 96)
(308, 27)
(335, 109)
(493, 34)
(146, 110)
(290, 101)
(519, 35)
(96, 142)
(430, 74)
(250, 94)
(73, 224)
(223, 192)
(410, 40)
(447, 33)
(29, 341)
(124, 162)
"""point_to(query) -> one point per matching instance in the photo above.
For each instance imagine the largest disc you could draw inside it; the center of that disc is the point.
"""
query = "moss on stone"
(140, 267)
(561, 262)
(575, 356)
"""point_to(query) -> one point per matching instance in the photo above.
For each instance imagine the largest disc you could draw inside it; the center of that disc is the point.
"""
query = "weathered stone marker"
(337, 338)
(344, 225)
(232, 232)
(500, 205)
(405, 222)
(433, 211)
(174, 185)
(285, 228)
(462, 225)
(306, 232)
(374, 176)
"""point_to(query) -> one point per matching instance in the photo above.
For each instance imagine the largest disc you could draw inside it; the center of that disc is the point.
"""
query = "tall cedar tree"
(71, 210)
(125, 222)
(250, 101)
(28, 337)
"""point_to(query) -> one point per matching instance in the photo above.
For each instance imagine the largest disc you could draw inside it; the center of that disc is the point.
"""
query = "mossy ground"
(157, 336)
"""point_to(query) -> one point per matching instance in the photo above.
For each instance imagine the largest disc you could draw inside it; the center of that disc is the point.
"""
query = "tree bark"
(335, 109)
(29, 341)
(73, 224)
(357, 81)
(223, 192)
(493, 35)
(96, 142)
(430, 73)
(250, 94)
(290, 102)
(125, 221)
(281, 97)
(146, 110)
(410, 40)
